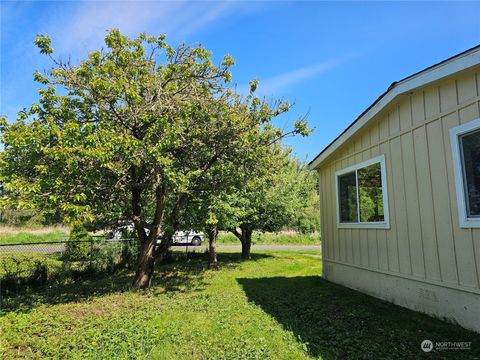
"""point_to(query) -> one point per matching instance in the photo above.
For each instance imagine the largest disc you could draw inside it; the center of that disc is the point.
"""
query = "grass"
(22, 236)
(281, 238)
(275, 306)
(12, 235)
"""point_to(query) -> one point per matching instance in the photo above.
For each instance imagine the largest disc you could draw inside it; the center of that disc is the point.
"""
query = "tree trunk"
(212, 248)
(162, 249)
(246, 250)
(245, 237)
(246, 244)
(147, 256)
(145, 266)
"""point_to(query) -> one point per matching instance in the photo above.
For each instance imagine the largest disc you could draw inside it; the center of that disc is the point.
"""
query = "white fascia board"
(448, 68)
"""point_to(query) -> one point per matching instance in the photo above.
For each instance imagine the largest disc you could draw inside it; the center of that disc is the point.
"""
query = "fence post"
(91, 251)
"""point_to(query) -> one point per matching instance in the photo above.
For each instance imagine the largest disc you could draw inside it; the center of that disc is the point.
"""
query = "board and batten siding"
(424, 241)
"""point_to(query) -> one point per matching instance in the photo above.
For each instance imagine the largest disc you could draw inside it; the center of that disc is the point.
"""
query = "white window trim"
(455, 133)
(365, 225)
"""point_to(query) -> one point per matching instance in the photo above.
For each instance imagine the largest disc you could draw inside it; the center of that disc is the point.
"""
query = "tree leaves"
(44, 44)
(136, 116)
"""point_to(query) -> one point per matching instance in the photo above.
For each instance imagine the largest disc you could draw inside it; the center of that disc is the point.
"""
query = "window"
(362, 195)
(465, 141)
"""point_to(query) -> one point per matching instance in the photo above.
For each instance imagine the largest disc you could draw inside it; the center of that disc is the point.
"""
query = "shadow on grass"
(180, 273)
(177, 274)
(61, 293)
(338, 323)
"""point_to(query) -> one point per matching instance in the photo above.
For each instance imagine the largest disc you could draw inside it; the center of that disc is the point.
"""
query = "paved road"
(254, 247)
(59, 248)
(32, 248)
(273, 247)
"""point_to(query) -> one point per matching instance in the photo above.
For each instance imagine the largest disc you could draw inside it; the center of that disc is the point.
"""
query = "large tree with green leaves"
(270, 192)
(131, 132)
(297, 187)
(211, 208)
(277, 193)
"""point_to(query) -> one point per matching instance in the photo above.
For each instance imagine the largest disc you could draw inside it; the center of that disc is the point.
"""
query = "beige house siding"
(425, 242)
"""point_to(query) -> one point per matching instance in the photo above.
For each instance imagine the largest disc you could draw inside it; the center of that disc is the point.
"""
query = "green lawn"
(23, 237)
(282, 238)
(275, 306)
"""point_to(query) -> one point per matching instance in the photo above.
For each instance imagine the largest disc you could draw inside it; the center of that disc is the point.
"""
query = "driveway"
(273, 247)
(254, 247)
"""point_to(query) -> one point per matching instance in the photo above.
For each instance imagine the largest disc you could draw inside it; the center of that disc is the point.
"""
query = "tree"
(296, 188)
(207, 212)
(131, 132)
(279, 192)
(210, 209)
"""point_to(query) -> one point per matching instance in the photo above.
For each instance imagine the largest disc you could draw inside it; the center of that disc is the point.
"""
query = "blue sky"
(332, 59)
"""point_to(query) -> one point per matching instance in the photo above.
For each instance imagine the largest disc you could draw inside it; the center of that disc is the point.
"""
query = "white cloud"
(193, 22)
(278, 83)
(85, 29)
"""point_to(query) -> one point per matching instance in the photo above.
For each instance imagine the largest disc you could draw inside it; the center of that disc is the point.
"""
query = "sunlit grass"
(281, 238)
(32, 236)
(275, 306)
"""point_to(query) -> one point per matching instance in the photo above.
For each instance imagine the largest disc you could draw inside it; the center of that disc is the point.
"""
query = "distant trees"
(277, 192)
(281, 195)
(139, 130)
(300, 187)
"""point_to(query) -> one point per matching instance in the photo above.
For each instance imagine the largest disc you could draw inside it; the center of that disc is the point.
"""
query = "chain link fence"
(34, 264)
(27, 265)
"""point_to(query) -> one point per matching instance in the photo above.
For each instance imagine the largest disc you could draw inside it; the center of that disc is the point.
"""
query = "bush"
(18, 270)
(109, 256)
(129, 254)
(79, 245)
(17, 217)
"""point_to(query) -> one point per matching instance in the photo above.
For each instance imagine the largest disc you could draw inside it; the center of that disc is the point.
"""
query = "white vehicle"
(179, 238)
(188, 238)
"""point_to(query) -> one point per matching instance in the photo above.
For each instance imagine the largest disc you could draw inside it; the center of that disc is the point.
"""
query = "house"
(400, 194)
